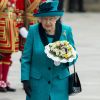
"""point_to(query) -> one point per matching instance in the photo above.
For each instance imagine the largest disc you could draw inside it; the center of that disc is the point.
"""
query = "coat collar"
(43, 35)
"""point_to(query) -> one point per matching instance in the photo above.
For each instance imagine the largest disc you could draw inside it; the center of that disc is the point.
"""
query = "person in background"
(41, 79)
(25, 18)
(9, 41)
(76, 5)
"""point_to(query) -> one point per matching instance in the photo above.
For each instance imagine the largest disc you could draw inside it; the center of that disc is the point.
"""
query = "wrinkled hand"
(27, 88)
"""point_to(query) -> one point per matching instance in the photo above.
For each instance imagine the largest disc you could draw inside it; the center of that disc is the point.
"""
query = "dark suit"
(75, 5)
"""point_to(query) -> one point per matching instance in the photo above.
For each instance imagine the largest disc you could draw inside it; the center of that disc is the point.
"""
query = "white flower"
(61, 49)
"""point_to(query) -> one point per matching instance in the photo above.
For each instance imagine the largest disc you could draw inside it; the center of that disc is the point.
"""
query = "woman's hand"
(26, 87)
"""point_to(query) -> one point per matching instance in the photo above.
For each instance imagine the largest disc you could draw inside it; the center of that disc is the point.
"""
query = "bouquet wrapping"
(60, 52)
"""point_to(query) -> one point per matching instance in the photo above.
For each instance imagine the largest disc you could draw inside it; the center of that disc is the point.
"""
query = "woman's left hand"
(27, 88)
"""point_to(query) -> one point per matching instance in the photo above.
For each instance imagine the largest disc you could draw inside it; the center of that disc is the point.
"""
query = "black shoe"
(71, 10)
(82, 11)
(3, 89)
(10, 89)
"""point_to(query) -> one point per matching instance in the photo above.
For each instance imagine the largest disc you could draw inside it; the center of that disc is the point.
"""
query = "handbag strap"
(74, 68)
(75, 77)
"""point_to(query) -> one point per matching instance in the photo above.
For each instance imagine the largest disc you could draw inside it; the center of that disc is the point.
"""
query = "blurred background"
(84, 18)
(87, 5)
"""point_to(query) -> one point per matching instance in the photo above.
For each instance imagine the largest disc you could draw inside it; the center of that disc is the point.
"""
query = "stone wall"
(92, 5)
(89, 5)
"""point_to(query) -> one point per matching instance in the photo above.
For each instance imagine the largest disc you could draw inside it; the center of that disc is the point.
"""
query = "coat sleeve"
(71, 41)
(27, 56)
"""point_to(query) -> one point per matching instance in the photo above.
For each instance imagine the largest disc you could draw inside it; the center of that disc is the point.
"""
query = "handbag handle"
(74, 68)
(75, 72)
(75, 77)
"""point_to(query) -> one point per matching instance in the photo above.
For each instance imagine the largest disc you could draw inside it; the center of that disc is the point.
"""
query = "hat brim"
(52, 13)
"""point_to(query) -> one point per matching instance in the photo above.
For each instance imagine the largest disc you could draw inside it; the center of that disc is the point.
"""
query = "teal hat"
(49, 9)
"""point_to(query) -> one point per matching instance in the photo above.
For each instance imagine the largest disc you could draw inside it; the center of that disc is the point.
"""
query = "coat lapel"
(43, 34)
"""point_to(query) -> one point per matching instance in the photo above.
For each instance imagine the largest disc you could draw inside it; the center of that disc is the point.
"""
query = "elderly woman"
(41, 79)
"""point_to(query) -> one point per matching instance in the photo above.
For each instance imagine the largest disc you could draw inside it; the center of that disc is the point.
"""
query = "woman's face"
(48, 23)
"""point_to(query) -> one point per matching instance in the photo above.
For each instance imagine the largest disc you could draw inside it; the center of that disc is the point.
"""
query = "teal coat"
(46, 79)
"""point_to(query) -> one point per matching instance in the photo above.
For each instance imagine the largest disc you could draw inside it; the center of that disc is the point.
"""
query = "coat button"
(49, 68)
(49, 82)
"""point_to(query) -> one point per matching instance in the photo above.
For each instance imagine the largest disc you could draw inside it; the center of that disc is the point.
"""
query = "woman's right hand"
(26, 87)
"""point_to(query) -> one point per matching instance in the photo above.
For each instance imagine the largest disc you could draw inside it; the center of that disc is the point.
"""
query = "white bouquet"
(60, 52)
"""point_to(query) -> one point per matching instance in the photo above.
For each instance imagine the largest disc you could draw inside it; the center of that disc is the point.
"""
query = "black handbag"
(74, 83)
